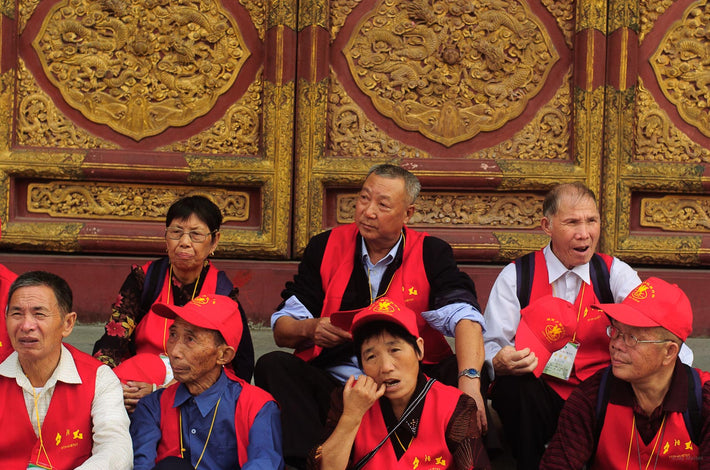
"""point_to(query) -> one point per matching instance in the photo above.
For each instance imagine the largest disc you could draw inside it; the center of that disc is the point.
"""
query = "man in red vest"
(648, 409)
(541, 340)
(348, 268)
(210, 418)
(62, 409)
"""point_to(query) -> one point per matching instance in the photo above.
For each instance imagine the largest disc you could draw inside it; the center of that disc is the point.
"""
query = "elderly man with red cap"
(647, 409)
(210, 419)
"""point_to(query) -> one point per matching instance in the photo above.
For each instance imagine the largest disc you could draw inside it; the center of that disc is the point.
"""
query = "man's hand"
(327, 335)
(472, 387)
(359, 395)
(134, 391)
(509, 361)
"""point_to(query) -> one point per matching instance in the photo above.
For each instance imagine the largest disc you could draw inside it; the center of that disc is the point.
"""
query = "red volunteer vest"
(66, 433)
(428, 451)
(151, 333)
(593, 352)
(251, 400)
(670, 448)
(6, 278)
(409, 285)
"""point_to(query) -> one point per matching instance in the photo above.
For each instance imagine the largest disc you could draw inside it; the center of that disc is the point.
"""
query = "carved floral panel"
(450, 69)
(141, 66)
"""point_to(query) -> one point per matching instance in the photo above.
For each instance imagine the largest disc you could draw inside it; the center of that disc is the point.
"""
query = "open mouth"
(391, 383)
(582, 249)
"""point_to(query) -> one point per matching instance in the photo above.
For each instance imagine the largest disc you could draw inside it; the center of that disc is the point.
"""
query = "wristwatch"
(470, 373)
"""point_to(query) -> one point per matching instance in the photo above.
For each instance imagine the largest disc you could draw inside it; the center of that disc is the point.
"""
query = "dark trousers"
(528, 408)
(173, 463)
(303, 393)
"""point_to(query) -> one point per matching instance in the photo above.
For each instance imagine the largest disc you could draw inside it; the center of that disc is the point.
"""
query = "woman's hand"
(359, 395)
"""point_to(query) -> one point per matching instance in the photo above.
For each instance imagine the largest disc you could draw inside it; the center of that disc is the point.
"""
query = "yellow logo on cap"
(643, 292)
(554, 330)
(385, 306)
(201, 300)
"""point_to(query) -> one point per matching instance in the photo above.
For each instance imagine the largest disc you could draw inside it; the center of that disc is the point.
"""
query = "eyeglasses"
(177, 233)
(629, 339)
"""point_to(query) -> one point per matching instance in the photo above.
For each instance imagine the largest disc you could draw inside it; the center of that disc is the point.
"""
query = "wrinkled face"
(573, 230)
(392, 361)
(193, 354)
(35, 324)
(638, 363)
(382, 209)
(186, 255)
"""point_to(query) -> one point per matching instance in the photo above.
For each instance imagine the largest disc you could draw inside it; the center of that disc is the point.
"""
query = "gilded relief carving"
(546, 136)
(236, 133)
(658, 139)
(512, 211)
(451, 70)
(649, 11)
(677, 213)
(257, 13)
(339, 11)
(7, 96)
(351, 133)
(682, 66)
(140, 66)
(117, 201)
(25, 8)
(41, 124)
(563, 12)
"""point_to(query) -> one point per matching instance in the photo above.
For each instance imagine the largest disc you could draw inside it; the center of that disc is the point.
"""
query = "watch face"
(472, 373)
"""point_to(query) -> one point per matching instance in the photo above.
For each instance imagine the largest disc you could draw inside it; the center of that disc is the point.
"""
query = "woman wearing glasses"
(135, 338)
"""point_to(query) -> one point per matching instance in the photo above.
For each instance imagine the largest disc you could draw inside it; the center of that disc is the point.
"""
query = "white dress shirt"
(502, 312)
(112, 448)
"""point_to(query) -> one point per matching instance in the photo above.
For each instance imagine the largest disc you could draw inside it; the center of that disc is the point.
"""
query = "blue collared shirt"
(220, 453)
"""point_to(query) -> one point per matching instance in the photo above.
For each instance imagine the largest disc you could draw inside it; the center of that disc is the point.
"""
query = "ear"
(68, 323)
(672, 350)
(215, 240)
(225, 354)
(420, 343)
(409, 213)
(546, 225)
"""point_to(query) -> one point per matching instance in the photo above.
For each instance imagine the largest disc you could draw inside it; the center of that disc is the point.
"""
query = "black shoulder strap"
(524, 272)
(602, 402)
(692, 415)
(599, 273)
(153, 284)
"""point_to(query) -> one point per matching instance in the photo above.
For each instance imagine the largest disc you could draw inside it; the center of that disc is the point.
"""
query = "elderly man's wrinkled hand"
(327, 335)
(510, 361)
(134, 391)
(359, 395)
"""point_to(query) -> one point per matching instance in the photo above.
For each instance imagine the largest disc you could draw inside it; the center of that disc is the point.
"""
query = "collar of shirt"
(384, 261)
(410, 427)
(555, 268)
(64, 372)
(206, 400)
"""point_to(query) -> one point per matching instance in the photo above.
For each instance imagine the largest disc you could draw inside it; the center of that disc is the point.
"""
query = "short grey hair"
(552, 199)
(60, 287)
(411, 183)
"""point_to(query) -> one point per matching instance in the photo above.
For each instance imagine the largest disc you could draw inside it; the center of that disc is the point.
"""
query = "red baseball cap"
(213, 312)
(546, 325)
(652, 303)
(383, 308)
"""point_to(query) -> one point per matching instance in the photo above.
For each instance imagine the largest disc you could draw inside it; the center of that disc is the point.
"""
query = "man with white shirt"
(348, 268)
(541, 339)
(74, 416)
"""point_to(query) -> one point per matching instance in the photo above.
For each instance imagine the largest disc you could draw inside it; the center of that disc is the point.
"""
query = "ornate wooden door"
(112, 109)
(489, 103)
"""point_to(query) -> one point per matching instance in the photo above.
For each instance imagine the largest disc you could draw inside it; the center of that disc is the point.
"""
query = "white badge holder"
(561, 362)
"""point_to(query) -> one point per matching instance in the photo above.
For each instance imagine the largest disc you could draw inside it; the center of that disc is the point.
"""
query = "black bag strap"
(599, 273)
(407, 411)
(524, 271)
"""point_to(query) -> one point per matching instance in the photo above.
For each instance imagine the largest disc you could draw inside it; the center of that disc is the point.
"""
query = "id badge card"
(561, 362)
